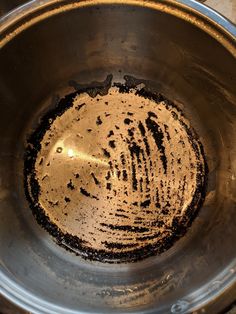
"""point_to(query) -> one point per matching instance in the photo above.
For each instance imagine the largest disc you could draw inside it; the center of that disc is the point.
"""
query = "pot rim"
(193, 11)
(219, 27)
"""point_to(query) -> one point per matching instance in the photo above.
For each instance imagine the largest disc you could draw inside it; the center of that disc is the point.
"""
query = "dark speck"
(95, 179)
(130, 132)
(99, 121)
(79, 106)
(110, 133)
(107, 177)
(106, 153)
(70, 185)
(67, 199)
(128, 121)
(112, 144)
(145, 203)
(125, 175)
(108, 186)
(86, 193)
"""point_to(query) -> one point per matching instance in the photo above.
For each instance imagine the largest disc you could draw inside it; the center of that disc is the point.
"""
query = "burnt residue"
(150, 237)
(126, 228)
(99, 120)
(138, 157)
(118, 173)
(67, 199)
(131, 132)
(122, 158)
(147, 179)
(134, 178)
(158, 136)
(112, 144)
(110, 133)
(141, 128)
(145, 203)
(135, 150)
(132, 82)
(157, 200)
(167, 132)
(93, 89)
(127, 121)
(119, 246)
(109, 186)
(122, 216)
(70, 185)
(108, 175)
(125, 175)
(145, 140)
(53, 204)
(122, 87)
(135, 154)
(120, 210)
(86, 193)
(80, 106)
(96, 181)
(141, 185)
(106, 153)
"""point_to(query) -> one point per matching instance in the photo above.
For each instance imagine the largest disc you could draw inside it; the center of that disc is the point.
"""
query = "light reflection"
(73, 153)
(70, 152)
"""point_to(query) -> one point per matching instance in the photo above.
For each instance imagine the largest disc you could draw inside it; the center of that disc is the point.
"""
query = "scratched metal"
(123, 174)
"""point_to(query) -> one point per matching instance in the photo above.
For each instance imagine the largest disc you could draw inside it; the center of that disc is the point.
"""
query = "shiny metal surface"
(43, 47)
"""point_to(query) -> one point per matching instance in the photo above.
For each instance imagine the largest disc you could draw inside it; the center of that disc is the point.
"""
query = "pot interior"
(173, 57)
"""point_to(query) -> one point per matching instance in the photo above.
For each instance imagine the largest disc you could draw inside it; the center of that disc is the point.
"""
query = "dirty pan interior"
(117, 159)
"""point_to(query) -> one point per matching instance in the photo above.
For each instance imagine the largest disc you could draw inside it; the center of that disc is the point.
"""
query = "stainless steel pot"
(189, 52)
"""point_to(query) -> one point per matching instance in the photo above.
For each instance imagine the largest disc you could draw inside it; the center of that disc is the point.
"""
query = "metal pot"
(189, 52)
